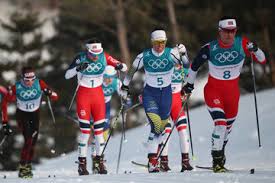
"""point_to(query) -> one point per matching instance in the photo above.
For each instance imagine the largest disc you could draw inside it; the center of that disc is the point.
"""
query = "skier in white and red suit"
(89, 67)
(225, 57)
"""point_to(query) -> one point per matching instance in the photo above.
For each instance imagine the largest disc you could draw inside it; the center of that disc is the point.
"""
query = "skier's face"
(28, 82)
(159, 45)
(92, 56)
(107, 80)
(227, 36)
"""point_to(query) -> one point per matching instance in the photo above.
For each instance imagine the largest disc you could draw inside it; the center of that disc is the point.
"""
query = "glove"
(48, 92)
(181, 48)
(82, 66)
(124, 92)
(187, 89)
(6, 129)
(121, 66)
(252, 47)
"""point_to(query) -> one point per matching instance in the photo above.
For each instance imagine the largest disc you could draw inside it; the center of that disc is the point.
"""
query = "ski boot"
(82, 166)
(25, 171)
(185, 165)
(218, 163)
(98, 165)
(164, 167)
(153, 164)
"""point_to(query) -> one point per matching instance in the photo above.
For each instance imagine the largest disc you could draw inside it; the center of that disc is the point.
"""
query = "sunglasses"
(229, 30)
(158, 42)
(28, 80)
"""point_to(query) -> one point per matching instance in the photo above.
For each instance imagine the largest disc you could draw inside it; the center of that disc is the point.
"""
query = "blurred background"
(47, 34)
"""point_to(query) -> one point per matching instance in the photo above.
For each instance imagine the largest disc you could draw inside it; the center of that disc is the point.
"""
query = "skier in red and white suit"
(27, 92)
(89, 67)
(225, 57)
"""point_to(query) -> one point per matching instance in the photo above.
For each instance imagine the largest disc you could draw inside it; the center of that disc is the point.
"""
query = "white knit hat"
(94, 48)
(228, 24)
(158, 35)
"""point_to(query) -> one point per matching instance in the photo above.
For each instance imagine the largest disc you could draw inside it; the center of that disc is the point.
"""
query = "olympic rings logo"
(108, 91)
(94, 67)
(177, 76)
(29, 94)
(158, 64)
(226, 56)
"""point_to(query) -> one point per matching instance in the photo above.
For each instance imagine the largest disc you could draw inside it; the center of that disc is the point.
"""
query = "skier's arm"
(71, 71)
(179, 55)
(115, 63)
(53, 95)
(4, 106)
(200, 59)
(7, 97)
(137, 65)
(257, 55)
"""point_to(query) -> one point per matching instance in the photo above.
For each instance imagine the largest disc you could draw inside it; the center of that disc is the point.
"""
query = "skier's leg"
(181, 126)
(151, 108)
(165, 109)
(84, 115)
(215, 105)
(29, 124)
(164, 167)
(231, 105)
(98, 113)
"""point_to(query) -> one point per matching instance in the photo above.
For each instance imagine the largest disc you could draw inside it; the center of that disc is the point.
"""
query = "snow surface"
(242, 152)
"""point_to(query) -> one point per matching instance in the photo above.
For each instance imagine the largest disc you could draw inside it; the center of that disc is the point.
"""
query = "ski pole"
(119, 154)
(123, 116)
(255, 99)
(189, 128)
(72, 101)
(112, 128)
(3, 140)
(132, 107)
(69, 117)
(182, 108)
(50, 107)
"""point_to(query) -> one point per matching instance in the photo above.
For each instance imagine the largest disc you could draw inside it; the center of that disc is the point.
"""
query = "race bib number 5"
(160, 81)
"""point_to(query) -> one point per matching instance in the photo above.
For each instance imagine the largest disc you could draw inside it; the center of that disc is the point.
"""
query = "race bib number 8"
(226, 74)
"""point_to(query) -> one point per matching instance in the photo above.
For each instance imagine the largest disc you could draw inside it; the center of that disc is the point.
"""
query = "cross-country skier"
(225, 57)
(158, 63)
(111, 84)
(89, 67)
(28, 94)
(181, 123)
